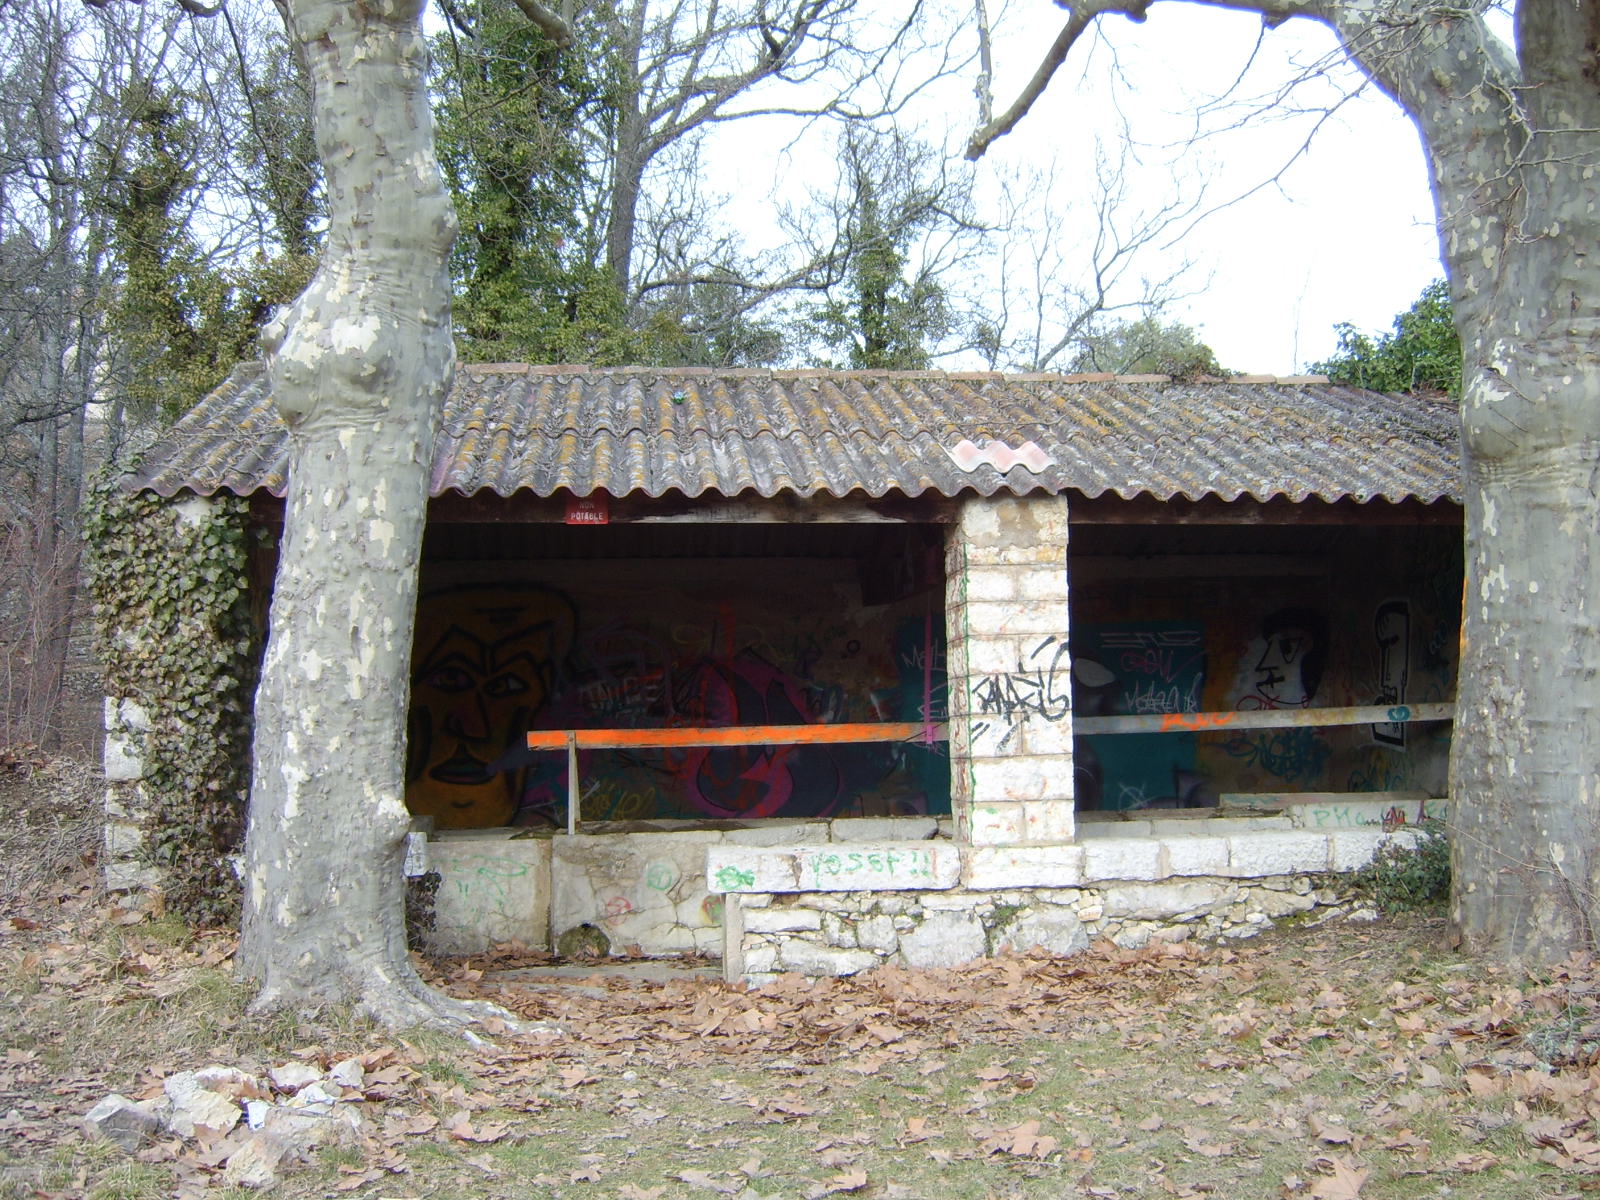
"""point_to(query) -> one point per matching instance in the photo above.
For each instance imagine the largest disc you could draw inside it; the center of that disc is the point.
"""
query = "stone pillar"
(126, 805)
(1010, 672)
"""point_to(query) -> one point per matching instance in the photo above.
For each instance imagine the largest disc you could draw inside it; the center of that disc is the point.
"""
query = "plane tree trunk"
(1512, 139)
(359, 366)
(1520, 233)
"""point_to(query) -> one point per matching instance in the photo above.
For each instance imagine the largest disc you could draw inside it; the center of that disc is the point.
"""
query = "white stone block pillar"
(126, 723)
(1010, 671)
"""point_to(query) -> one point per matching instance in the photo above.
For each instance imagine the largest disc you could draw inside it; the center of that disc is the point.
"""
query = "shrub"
(1409, 874)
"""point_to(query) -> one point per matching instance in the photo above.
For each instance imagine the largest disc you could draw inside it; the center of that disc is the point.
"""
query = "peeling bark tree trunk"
(359, 366)
(1522, 243)
(1513, 141)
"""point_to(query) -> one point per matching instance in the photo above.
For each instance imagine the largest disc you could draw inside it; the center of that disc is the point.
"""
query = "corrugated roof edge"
(827, 373)
(1299, 497)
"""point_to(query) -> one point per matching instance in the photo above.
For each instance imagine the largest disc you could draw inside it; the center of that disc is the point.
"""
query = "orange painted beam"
(734, 735)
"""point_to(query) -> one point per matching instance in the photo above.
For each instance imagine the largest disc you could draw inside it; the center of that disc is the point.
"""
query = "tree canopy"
(1423, 353)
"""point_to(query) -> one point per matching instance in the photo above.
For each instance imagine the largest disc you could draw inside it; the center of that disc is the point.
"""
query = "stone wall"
(833, 933)
(642, 885)
(819, 911)
(669, 887)
(172, 610)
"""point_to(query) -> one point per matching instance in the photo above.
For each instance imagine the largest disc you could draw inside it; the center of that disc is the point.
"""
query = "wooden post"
(574, 794)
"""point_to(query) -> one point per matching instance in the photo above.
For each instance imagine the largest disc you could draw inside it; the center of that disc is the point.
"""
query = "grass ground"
(1332, 1063)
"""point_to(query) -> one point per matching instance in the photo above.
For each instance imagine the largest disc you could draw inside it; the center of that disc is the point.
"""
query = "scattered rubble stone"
(255, 1164)
(314, 1109)
(291, 1077)
(121, 1120)
(196, 1107)
(348, 1073)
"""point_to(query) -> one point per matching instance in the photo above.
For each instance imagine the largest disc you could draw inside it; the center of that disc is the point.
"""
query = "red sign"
(588, 510)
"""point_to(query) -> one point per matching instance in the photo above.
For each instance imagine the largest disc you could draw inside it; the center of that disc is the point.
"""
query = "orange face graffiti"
(484, 664)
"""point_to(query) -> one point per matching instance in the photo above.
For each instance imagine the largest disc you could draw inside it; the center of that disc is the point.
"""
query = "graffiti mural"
(493, 662)
(1297, 756)
(1289, 659)
(761, 781)
(1376, 771)
(1152, 667)
(485, 663)
(1328, 633)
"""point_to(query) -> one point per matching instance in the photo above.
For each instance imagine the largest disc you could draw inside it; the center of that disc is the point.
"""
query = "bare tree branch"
(553, 26)
(1084, 13)
(984, 87)
(1034, 88)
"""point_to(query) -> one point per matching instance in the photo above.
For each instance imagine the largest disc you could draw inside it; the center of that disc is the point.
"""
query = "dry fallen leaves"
(1023, 1140)
(846, 1181)
(1343, 1181)
(461, 1128)
(1443, 1046)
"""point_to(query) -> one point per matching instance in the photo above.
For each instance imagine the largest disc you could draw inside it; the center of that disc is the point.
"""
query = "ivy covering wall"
(172, 615)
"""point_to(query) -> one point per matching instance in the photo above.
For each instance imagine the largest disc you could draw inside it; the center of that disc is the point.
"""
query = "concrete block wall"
(648, 887)
(493, 887)
(1010, 673)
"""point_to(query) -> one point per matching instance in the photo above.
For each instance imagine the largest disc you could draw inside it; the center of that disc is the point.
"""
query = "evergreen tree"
(179, 322)
(514, 113)
(1423, 353)
(886, 314)
(1148, 346)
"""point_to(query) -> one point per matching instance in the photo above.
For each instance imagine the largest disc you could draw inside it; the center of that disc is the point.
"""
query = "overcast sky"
(1345, 234)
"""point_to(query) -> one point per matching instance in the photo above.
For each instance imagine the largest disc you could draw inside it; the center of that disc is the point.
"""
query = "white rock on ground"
(228, 1081)
(302, 1130)
(291, 1077)
(317, 1097)
(350, 1073)
(123, 1121)
(255, 1164)
(197, 1107)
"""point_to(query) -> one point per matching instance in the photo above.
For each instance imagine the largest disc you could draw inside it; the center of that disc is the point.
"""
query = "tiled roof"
(649, 431)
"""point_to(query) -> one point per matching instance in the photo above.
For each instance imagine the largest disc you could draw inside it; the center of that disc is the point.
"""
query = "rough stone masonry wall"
(823, 910)
(834, 933)
(1009, 672)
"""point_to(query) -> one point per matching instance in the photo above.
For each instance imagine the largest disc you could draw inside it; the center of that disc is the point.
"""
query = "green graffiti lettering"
(660, 876)
(730, 878)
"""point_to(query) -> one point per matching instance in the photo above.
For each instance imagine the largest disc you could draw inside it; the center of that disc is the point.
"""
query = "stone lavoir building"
(824, 669)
